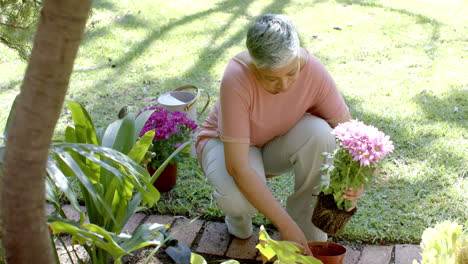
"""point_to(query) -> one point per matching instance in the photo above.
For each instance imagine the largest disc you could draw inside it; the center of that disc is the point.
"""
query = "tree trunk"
(26, 235)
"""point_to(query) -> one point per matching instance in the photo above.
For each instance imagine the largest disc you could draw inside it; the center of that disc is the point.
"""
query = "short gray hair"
(272, 41)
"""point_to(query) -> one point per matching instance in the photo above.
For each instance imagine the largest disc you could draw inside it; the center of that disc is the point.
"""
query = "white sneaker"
(239, 227)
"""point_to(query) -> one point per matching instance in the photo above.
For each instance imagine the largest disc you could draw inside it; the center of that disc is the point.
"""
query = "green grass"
(401, 66)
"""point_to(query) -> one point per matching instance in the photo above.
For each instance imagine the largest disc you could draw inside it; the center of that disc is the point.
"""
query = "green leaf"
(50, 193)
(85, 131)
(10, 117)
(145, 235)
(125, 170)
(94, 194)
(119, 135)
(137, 153)
(90, 233)
(285, 251)
(55, 175)
(197, 259)
(132, 171)
(140, 122)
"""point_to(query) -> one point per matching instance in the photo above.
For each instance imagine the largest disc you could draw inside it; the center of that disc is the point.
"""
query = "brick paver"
(376, 255)
(133, 223)
(406, 253)
(214, 240)
(352, 255)
(244, 248)
(160, 219)
(186, 231)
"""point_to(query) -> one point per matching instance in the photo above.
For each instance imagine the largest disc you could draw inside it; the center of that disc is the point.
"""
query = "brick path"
(212, 240)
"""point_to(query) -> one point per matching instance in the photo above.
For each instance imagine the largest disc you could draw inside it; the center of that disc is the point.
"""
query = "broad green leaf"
(144, 235)
(93, 169)
(133, 172)
(50, 192)
(137, 153)
(70, 135)
(89, 233)
(94, 194)
(10, 117)
(60, 180)
(197, 259)
(285, 251)
(100, 133)
(85, 131)
(140, 122)
(127, 170)
(132, 206)
(119, 135)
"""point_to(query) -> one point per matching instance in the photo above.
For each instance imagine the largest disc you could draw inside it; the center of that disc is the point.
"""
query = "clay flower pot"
(327, 252)
(167, 179)
(328, 217)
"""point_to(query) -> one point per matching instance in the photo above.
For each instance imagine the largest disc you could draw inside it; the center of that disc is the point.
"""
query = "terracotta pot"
(327, 252)
(167, 179)
(328, 217)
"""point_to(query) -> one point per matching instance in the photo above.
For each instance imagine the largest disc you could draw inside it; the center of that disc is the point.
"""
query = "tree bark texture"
(25, 233)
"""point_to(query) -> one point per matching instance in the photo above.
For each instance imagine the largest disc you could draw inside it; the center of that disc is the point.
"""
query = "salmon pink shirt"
(246, 113)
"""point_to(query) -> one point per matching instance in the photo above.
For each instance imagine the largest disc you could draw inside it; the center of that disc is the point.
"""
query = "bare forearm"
(257, 193)
(342, 119)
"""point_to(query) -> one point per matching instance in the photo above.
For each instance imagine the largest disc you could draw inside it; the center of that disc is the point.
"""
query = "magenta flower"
(171, 130)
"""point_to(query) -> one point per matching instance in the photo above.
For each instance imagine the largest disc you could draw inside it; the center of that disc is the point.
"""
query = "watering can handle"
(185, 87)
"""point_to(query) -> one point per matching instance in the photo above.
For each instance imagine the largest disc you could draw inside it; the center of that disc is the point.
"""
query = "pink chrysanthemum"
(365, 143)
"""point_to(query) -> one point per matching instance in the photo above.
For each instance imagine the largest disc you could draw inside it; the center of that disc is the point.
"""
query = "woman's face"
(281, 79)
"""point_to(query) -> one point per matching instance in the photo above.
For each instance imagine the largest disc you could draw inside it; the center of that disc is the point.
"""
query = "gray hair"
(272, 41)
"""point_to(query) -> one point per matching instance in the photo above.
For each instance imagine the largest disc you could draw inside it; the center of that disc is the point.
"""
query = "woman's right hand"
(291, 232)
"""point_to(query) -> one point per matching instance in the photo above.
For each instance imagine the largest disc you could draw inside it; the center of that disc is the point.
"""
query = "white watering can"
(183, 101)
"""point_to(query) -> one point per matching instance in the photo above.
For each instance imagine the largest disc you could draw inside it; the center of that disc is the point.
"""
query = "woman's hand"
(353, 195)
(291, 232)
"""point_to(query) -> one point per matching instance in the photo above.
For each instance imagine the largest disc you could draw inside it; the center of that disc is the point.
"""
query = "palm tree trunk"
(26, 235)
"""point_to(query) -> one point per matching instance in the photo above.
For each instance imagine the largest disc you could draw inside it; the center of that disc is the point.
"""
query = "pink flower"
(365, 144)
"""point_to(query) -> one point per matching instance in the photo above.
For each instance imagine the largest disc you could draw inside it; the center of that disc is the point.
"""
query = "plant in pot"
(172, 130)
(355, 164)
(445, 243)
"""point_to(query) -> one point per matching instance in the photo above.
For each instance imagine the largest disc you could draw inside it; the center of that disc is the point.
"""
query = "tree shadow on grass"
(207, 57)
(452, 107)
(411, 147)
(198, 74)
(102, 4)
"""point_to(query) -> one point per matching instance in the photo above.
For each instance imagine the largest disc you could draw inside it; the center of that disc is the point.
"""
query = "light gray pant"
(299, 149)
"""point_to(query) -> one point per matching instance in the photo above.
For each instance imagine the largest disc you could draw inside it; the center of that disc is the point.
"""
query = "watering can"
(183, 100)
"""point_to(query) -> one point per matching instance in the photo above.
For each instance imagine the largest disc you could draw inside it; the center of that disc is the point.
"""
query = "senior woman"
(276, 109)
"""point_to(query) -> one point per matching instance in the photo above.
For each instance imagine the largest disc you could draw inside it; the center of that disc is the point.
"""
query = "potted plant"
(172, 130)
(445, 243)
(360, 148)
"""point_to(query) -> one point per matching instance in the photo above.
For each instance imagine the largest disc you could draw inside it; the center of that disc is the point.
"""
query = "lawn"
(401, 66)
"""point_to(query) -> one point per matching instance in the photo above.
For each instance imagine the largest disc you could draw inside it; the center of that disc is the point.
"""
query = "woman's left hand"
(353, 195)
